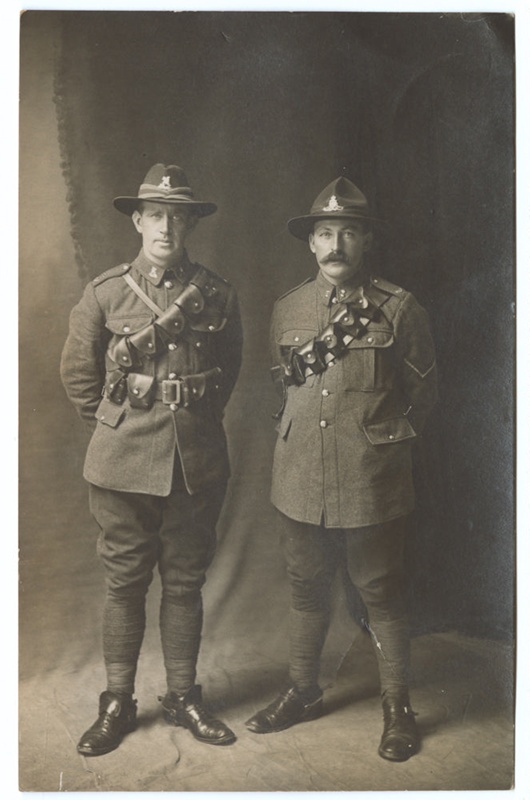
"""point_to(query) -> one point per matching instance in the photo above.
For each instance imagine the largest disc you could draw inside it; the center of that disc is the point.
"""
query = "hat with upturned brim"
(165, 184)
(340, 199)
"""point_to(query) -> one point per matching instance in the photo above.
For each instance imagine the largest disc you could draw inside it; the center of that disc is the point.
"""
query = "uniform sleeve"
(83, 356)
(229, 348)
(275, 352)
(416, 361)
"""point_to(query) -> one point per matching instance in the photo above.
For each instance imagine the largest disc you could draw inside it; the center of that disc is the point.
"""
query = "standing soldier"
(152, 356)
(355, 360)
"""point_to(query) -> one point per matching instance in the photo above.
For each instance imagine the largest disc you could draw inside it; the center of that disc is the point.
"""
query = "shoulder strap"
(142, 295)
(386, 286)
(113, 272)
(290, 291)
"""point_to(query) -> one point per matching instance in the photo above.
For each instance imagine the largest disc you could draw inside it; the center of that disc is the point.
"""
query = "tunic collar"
(348, 292)
(155, 274)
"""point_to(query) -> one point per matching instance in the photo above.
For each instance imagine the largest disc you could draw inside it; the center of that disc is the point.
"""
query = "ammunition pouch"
(141, 390)
(116, 386)
(314, 356)
(201, 306)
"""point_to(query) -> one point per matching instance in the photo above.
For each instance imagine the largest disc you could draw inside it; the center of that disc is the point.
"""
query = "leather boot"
(400, 739)
(185, 710)
(289, 708)
(117, 716)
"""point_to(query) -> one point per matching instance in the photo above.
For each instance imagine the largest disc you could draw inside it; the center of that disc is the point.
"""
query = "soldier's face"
(163, 228)
(339, 246)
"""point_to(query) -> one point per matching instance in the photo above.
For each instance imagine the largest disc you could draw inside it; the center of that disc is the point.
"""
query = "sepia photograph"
(267, 401)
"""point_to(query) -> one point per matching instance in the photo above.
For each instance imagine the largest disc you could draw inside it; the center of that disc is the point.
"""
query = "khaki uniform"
(343, 455)
(133, 448)
(157, 461)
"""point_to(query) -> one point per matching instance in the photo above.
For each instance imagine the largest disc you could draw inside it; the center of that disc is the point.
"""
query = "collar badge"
(333, 205)
(153, 273)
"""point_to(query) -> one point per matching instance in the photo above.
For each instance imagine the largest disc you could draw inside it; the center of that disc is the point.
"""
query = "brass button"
(172, 376)
(370, 339)
(297, 338)
(136, 391)
(325, 392)
(391, 436)
(126, 328)
(173, 406)
(172, 346)
(168, 284)
(323, 423)
(198, 344)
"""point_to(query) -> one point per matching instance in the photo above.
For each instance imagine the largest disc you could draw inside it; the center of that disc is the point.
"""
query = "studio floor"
(461, 703)
(462, 689)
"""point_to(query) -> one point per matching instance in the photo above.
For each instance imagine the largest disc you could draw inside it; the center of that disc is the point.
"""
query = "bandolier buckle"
(182, 392)
(172, 392)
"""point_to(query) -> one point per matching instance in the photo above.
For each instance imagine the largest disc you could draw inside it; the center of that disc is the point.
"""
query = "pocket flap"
(109, 413)
(296, 337)
(389, 431)
(132, 323)
(373, 339)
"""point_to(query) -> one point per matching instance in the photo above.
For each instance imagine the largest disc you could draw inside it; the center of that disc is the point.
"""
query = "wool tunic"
(343, 453)
(134, 449)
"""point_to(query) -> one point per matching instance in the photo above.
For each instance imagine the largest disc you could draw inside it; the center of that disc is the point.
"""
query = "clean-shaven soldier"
(152, 356)
(355, 359)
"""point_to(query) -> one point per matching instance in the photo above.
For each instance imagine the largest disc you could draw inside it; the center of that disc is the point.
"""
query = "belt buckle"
(171, 392)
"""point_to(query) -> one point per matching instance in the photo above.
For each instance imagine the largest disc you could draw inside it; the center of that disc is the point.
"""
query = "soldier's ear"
(136, 218)
(368, 241)
(312, 242)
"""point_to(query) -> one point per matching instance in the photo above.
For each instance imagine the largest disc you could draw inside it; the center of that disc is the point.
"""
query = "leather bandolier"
(201, 306)
(348, 322)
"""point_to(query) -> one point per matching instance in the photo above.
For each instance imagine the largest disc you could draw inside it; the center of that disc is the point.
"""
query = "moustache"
(336, 255)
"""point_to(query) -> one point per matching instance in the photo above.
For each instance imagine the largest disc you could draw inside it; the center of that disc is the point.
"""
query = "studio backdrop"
(262, 110)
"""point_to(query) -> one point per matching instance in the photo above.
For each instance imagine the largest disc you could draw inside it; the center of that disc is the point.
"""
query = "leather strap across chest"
(348, 322)
(201, 306)
(142, 295)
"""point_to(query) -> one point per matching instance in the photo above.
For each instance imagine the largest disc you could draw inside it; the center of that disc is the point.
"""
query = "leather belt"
(181, 392)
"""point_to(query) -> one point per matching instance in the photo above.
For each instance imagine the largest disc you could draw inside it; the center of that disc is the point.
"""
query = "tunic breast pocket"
(368, 364)
(126, 324)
